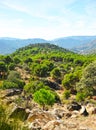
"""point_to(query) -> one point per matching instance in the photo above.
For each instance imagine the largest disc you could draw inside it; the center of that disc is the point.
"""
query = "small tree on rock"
(44, 97)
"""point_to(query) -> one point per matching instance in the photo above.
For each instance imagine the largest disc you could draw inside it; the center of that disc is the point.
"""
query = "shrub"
(44, 97)
(15, 78)
(11, 66)
(80, 96)
(87, 83)
(55, 73)
(13, 74)
(8, 85)
(66, 94)
(41, 70)
(34, 86)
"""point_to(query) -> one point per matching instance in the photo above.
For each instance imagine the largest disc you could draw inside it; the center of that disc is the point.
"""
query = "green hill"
(43, 76)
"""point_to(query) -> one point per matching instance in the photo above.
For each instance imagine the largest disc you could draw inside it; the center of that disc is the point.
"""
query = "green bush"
(11, 66)
(44, 97)
(66, 94)
(13, 74)
(55, 73)
(14, 77)
(80, 96)
(19, 82)
(40, 70)
(34, 86)
(8, 85)
(87, 83)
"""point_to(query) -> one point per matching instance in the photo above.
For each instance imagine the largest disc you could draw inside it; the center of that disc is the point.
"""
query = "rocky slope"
(71, 116)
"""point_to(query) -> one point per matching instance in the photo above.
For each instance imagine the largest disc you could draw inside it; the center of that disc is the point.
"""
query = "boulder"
(74, 106)
(38, 118)
(59, 113)
(54, 125)
(12, 92)
(19, 113)
(52, 85)
(83, 111)
(91, 108)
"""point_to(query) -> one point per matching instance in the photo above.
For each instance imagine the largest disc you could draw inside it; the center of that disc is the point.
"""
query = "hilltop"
(43, 86)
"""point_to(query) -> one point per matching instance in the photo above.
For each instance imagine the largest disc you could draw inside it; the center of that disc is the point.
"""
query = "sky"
(47, 19)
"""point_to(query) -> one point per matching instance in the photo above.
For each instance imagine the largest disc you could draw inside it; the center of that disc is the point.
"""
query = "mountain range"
(78, 44)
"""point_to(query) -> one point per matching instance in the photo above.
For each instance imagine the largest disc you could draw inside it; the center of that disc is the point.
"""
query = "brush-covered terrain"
(45, 87)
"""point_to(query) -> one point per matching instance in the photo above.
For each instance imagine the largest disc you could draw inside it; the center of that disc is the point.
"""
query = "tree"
(69, 81)
(16, 60)
(14, 77)
(8, 59)
(28, 60)
(11, 66)
(13, 74)
(34, 86)
(8, 85)
(44, 97)
(3, 69)
(66, 94)
(55, 73)
(40, 70)
(87, 83)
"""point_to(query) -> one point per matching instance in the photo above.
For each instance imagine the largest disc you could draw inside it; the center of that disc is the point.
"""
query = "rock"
(83, 111)
(54, 125)
(84, 128)
(75, 114)
(19, 113)
(12, 92)
(59, 113)
(68, 115)
(91, 109)
(38, 118)
(94, 97)
(73, 106)
(52, 85)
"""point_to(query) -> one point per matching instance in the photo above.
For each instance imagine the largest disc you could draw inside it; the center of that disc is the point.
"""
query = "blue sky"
(47, 19)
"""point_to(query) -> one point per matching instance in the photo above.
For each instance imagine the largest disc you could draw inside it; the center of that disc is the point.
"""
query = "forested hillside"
(47, 74)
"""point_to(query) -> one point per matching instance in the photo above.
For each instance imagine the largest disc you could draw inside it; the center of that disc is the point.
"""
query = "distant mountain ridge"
(88, 48)
(9, 45)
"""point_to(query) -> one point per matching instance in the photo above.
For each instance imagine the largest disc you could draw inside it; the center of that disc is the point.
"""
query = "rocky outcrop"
(12, 92)
(19, 113)
(54, 125)
(52, 84)
(38, 118)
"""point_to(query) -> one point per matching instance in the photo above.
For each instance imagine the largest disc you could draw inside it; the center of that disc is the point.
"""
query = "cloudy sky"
(47, 19)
